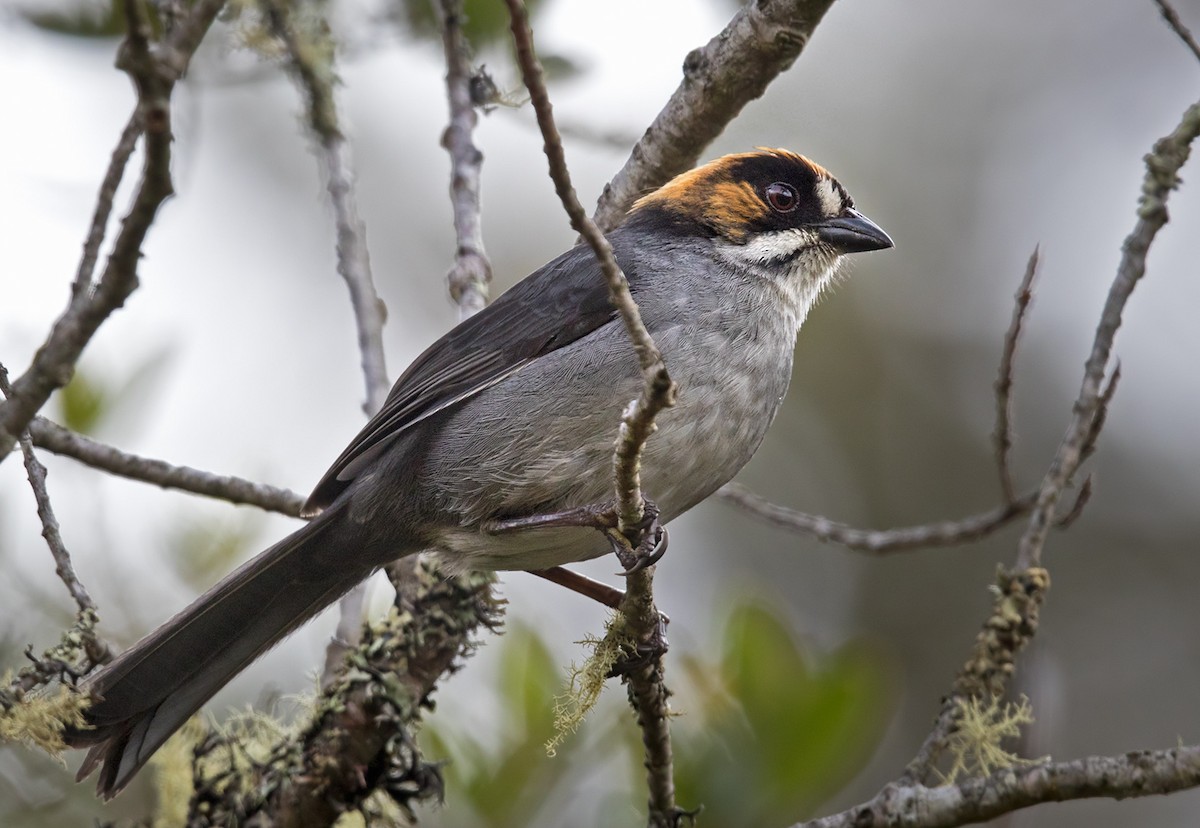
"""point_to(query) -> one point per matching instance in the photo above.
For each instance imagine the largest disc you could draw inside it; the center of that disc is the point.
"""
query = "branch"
(1162, 176)
(761, 41)
(1172, 17)
(55, 438)
(471, 274)
(154, 69)
(104, 204)
(879, 541)
(647, 692)
(310, 61)
(1003, 436)
(1014, 618)
(357, 740)
(50, 531)
(1141, 773)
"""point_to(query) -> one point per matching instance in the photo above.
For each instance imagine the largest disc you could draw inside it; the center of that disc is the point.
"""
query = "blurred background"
(806, 675)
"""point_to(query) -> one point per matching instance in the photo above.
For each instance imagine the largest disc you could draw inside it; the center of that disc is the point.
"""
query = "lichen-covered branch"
(762, 41)
(1136, 774)
(1013, 622)
(358, 742)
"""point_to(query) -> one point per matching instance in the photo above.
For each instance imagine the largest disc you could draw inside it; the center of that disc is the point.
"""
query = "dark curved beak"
(852, 232)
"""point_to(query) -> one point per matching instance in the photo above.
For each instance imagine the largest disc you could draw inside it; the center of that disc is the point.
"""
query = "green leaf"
(778, 729)
(82, 403)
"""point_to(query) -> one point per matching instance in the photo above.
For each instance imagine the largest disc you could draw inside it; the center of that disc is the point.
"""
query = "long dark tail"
(151, 689)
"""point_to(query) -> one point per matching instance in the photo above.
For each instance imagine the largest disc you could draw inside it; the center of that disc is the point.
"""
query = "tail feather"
(150, 690)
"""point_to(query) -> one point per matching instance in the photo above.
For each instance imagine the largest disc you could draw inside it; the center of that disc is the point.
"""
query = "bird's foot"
(639, 546)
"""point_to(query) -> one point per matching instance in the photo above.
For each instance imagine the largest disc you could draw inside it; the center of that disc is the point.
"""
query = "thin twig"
(310, 56)
(1081, 501)
(648, 694)
(50, 531)
(880, 541)
(1003, 435)
(471, 273)
(104, 203)
(1162, 176)
(1110, 389)
(1140, 773)
(154, 68)
(1172, 17)
(55, 438)
(1019, 624)
(762, 41)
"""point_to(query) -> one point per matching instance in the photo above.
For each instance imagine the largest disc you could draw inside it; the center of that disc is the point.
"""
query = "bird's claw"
(642, 557)
(650, 537)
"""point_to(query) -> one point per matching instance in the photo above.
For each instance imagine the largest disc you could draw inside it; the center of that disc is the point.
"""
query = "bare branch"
(1003, 435)
(155, 69)
(1162, 176)
(471, 274)
(1110, 389)
(762, 41)
(104, 204)
(879, 541)
(1081, 502)
(1172, 17)
(50, 531)
(310, 54)
(55, 438)
(647, 692)
(1140, 773)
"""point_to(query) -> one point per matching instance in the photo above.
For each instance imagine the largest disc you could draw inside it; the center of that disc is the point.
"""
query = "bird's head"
(776, 201)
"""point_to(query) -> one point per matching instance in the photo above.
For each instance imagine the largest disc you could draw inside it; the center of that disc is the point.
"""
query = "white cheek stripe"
(831, 201)
(771, 247)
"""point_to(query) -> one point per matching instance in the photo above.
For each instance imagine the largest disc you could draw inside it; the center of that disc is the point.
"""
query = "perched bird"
(511, 417)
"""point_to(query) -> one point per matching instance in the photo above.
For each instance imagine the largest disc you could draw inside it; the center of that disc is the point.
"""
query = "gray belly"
(542, 441)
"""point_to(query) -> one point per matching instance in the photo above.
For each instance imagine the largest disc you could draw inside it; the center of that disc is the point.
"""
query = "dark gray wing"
(559, 303)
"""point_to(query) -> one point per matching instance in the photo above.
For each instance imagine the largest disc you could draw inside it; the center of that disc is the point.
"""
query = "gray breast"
(542, 440)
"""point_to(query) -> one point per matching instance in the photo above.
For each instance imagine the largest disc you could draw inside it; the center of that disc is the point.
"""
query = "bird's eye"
(782, 197)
